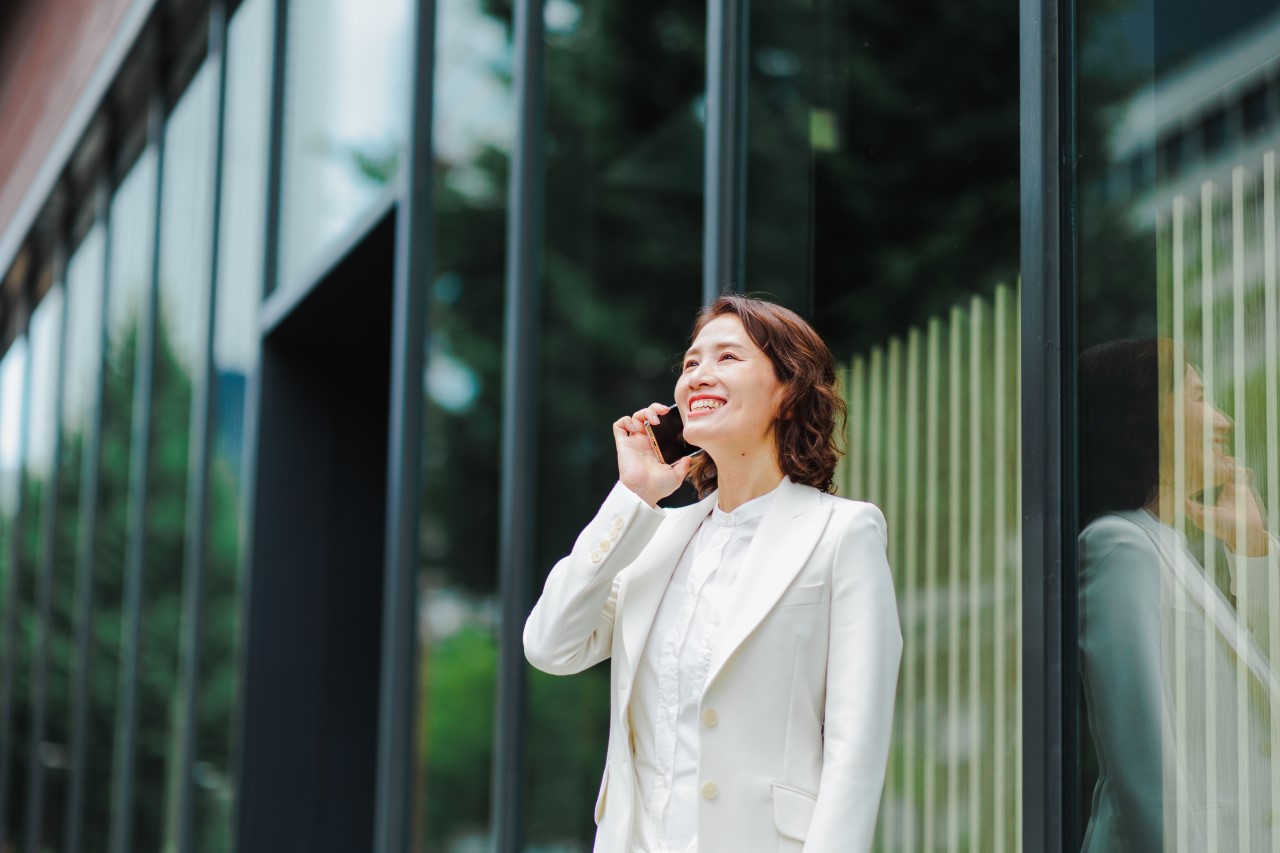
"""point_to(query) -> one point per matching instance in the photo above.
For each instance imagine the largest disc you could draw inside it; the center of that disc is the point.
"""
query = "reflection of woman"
(754, 635)
(1162, 649)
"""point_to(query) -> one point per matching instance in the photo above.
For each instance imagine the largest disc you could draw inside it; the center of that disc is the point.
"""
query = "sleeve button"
(595, 556)
(710, 791)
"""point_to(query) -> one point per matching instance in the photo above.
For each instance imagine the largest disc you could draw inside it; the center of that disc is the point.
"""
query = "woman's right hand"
(639, 468)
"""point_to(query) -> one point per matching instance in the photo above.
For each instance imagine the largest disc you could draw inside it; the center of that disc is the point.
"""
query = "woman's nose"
(1222, 423)
(700, 376)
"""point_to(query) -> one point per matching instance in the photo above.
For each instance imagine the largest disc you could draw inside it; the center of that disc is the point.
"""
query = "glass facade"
(461, 476)
(1178, 381)
(345, 121)
(622, 243)
(876, 188)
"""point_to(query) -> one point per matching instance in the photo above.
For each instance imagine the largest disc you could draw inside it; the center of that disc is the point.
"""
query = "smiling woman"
(769, 580)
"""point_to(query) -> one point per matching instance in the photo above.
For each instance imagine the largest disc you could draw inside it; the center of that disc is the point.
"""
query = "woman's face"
(1199, 417)
(727, 392)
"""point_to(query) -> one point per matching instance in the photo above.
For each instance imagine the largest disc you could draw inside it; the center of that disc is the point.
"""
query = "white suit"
(1184, 763)
(812, 638)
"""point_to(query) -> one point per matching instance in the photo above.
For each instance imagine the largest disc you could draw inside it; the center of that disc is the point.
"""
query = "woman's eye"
(690, 363)
(728, 355)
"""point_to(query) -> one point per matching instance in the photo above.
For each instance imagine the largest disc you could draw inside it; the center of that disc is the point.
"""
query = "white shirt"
(672, 671)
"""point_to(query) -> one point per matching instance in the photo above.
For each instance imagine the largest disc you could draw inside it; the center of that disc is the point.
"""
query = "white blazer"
(802, 680)
(1165, 660)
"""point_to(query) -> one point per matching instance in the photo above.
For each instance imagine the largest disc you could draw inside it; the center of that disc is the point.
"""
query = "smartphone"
(667, 437)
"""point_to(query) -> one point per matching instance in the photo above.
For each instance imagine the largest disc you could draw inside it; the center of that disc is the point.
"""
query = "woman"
(754, 635)
(1177, 688)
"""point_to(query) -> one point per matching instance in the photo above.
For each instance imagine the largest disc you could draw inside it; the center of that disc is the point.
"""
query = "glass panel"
(883, 204)
(1179, 378)
(235, 355)
(129, 281)
(462, 450)
(345, 120)
(13, 369)
(622, 267)
(182, 317)
(82, 355)
(37, 477)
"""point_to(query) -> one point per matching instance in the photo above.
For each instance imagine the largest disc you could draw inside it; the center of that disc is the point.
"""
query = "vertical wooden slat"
(857, 428)
(977, 470)
(955, 353)
(1272, 365)
(894, 512)
(911, 757)
(841, 476)
(1208, 689)
(999, 567)
(1179, 815)
(932, 721)
(1242, 747)
(875, 428)
(1019, 803)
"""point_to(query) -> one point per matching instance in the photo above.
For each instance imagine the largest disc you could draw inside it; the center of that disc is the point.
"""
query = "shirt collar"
(749, 511)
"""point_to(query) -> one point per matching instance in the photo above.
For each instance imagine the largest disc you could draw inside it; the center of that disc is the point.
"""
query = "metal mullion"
(725, 148)
(253, 389)
(85, 562)
(1050, 674)
(397, 756)
(44, 586)
(125, 758)
(519, 442)
(10, 648)
(202, 407)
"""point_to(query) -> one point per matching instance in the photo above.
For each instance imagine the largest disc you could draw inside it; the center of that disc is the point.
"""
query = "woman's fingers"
(650, 414)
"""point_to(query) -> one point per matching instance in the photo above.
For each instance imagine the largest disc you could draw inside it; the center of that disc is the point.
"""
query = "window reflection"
(1178, 682)
(44, 335)
(235, 355)
(622, 264)
(473, 127)
(81, 355)
(13, 367)
(129, 280)
(883, 203)
(346, 108)
(1179, 428)
(181, 320)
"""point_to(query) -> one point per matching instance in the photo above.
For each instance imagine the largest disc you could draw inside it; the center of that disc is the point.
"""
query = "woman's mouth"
(704, 406)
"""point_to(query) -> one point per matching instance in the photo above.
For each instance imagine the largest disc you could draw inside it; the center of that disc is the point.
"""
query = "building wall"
(48, 53)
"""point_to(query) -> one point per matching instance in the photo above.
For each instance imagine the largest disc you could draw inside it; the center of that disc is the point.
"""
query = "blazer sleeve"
(1253, 581)
(865, 650)
(571, 626)
(1120, 662)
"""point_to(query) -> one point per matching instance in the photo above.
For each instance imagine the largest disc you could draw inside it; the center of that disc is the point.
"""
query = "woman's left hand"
(1220, 519)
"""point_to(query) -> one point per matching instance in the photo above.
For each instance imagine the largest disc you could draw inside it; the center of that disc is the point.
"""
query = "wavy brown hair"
(811, 405)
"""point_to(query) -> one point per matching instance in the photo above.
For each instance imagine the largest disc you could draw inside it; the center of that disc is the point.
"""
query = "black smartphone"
(667, 437)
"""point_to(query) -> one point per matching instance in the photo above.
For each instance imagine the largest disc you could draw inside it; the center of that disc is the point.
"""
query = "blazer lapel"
(787, 535)
(648, 577)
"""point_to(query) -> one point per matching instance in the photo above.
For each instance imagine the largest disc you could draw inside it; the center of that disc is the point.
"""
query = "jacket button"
(595, 556)
(618, 522)
(604, 545)
(710, 791)
(710, 717)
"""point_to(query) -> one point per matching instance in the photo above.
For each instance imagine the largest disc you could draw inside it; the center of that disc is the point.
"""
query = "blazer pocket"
(792, 811)
(604, 787)
(801, 595)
